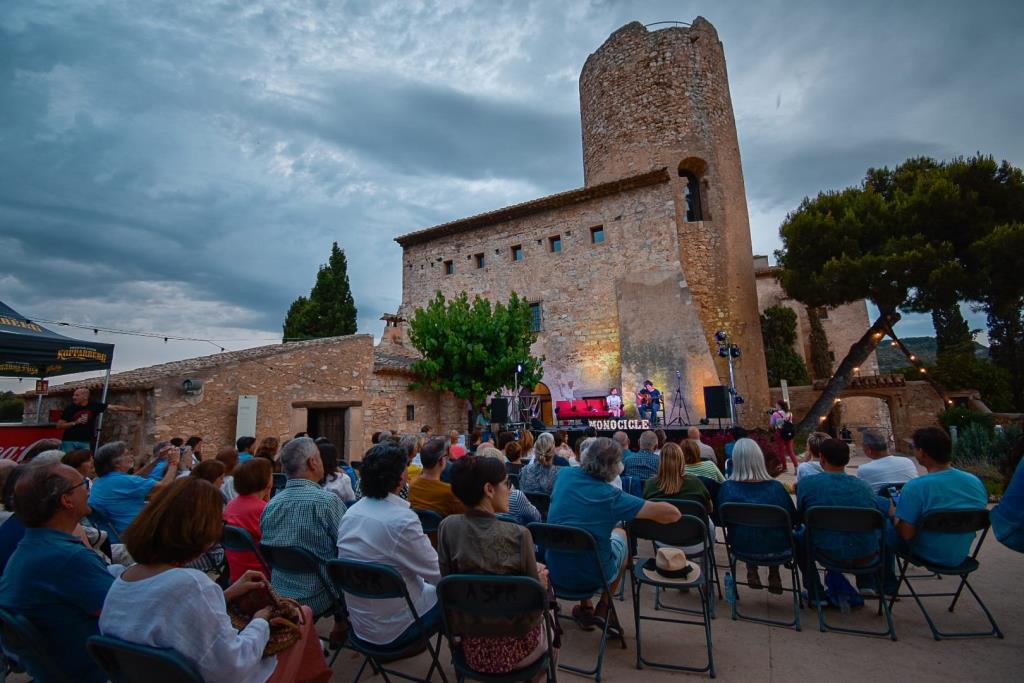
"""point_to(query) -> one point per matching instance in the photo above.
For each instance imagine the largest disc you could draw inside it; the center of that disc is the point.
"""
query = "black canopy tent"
(29, 350)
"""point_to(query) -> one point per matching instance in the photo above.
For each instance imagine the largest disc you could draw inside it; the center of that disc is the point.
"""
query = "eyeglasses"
(85, 482)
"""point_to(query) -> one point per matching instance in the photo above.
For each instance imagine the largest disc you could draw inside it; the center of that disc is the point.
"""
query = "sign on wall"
(245, 424)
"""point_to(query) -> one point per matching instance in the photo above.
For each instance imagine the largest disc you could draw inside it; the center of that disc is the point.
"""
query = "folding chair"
(513, 480)
(764, 518)
(579, 542)
(541, 501)
(300, 560)
(848, 520)
(478, 605)
(375, 581)
(696, 508)
(239, 540)
(126, 662)
(280, 481)
(101, 520)
(949, 522)
(429, 519)
(23, 640)
(507, 517)
(680, 533)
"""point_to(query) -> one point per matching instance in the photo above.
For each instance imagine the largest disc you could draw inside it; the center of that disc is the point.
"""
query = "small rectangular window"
(517, 252)
(410, 413)
(537, 316)
(449, 267)
(597, 234)
(822, 313)
(479, 260)
(555, 244)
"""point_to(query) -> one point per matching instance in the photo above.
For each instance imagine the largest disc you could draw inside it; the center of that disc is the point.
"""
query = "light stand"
(677, 417)
(729, 351)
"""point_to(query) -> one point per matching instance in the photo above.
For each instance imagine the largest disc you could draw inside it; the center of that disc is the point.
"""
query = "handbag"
(286, 615)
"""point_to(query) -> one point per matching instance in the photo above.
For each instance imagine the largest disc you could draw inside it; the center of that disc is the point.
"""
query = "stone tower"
(652, 99)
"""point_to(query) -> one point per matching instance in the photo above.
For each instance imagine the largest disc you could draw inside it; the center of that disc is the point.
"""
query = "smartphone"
(894, 494)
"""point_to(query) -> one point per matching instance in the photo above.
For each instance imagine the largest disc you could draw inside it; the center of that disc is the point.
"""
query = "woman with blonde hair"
(527, 444)
(539, 476)
(268, 449)
(675, 479)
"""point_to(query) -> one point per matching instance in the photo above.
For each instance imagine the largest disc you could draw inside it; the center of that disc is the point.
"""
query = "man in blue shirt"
(584, 498)
(834, 488)
(53, 579)
(244, 446)
(121, 496)
(644, 463)
(943, 488)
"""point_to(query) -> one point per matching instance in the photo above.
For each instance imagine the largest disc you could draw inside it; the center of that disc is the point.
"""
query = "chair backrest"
(570, 540)
(101, 520)
(693, 507)
(507, 517)
(486, 605)
(688, 530)
(513, 479)
(126, 662)
(429, 519)
(762, 517)
(845, 519)
(22, 639)
(634, 486)
(280, 481)
(291, 559)
(541, 501)
(955, 521)
(371, 580)
(238, 539)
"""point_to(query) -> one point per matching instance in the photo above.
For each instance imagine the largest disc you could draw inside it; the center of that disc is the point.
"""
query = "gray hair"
(748, 462)
(622, 438)
(50, 457)
(875, 441)
(601, 459)
(587, 443)
(408, 443)
(648, 441)
(296, 453)
(490, 452)
(160, 446)
(544, 449)
(107, 456)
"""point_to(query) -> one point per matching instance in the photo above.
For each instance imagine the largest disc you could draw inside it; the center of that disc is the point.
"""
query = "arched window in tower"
(691, 193)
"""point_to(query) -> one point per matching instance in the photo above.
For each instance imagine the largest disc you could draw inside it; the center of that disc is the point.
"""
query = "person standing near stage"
(648, 403)
(79, 420)
(614, 402)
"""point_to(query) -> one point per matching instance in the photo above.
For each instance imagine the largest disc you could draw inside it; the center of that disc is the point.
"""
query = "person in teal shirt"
(943, 488)
(53, 579)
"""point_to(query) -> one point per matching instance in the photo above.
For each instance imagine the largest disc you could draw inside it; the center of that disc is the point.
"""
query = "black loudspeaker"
(716, 402)
(537, 425)
(499, 411)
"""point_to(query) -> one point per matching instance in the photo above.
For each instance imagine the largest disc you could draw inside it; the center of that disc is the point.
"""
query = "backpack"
(787, 431)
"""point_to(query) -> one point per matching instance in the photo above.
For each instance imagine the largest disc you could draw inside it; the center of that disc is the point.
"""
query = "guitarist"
(648, 403)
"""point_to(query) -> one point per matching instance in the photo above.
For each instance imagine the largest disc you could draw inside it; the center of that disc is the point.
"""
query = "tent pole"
(103, 399)
(39, 406)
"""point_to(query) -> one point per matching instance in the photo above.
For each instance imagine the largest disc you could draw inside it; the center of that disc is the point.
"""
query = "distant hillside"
(891, 359)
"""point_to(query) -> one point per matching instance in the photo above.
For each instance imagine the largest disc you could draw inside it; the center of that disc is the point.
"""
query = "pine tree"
(330, 310)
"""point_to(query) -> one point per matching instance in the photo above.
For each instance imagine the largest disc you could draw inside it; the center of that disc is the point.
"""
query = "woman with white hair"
(539, 476)
(750, 483)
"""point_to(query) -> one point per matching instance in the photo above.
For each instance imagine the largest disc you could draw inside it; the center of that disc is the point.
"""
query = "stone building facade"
(344, 388)
(631, 275)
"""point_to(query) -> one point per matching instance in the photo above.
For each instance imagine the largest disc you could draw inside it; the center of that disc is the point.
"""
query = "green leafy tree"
(11, 407)
(330, 310)
(821, 359)
(472, 349)
(778, 329)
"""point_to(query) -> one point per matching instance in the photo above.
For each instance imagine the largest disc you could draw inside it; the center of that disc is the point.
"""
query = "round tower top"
(654, 98)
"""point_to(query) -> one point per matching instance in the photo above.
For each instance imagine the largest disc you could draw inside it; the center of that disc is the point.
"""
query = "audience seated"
(478, 543)
(381, 527)
(942, 488)
(811, 464)
(121, 495)
(674, 482)
(526, 443)
(244, 445)
(335, 480)
(428, 492)
(697, 467)
(53, 579)
(883, 468)
(583, 497)
(455, 449)
(706, 451)
(12, 529)
(563, 450)
(737, 433)
(81, 460)
(228, 456)
(306, 516)
(160, 604)
(156, 467)
(211, 471)
(6, 467)
(518, 504)
(833, 487)
(540, 475)
(268, 450)
(513, 452)
(253, 482)
(1008, 516)
(751, 483)
(644, 463)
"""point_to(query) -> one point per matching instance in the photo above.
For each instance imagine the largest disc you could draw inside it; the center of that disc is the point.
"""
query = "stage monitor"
(716, 402)
(499, 411)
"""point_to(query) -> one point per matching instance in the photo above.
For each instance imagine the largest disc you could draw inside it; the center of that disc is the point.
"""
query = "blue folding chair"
(239, 540)
(101, 520)
(429, 520)
(580, 543)
(541, 501)
(301, 561)
(696, 508)
(23, 640)
(479, 605)
(126, 662)
(948, 522)
(279, 482)
(376, 581)
(678, 534)
(765, 519)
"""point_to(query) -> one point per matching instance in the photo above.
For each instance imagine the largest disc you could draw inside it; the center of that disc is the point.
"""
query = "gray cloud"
(185, 166)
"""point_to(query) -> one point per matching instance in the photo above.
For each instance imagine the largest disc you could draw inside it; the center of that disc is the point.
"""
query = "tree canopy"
(914, 238)
(329, 311)
(472, 349)
(778, 329)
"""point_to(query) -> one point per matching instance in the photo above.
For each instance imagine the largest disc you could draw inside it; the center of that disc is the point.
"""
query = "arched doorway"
(545, 413)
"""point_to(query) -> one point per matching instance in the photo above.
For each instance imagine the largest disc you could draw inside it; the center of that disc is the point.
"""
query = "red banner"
(15, 439)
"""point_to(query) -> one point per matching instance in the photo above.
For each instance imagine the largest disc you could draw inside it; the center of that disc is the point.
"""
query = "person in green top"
(697, 467)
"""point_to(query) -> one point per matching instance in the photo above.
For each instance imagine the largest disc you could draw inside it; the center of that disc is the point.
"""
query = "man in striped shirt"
(644, 463)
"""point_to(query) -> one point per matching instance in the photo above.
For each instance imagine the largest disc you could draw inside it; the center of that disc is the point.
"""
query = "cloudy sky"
(183, 167)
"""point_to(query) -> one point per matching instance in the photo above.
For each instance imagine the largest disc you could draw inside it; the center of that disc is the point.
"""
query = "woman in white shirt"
(159, 603)
(335, 481)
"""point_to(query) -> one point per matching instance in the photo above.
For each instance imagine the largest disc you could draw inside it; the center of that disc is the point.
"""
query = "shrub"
(962, 418)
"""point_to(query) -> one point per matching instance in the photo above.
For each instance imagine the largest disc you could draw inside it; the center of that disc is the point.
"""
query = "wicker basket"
(284, 632)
